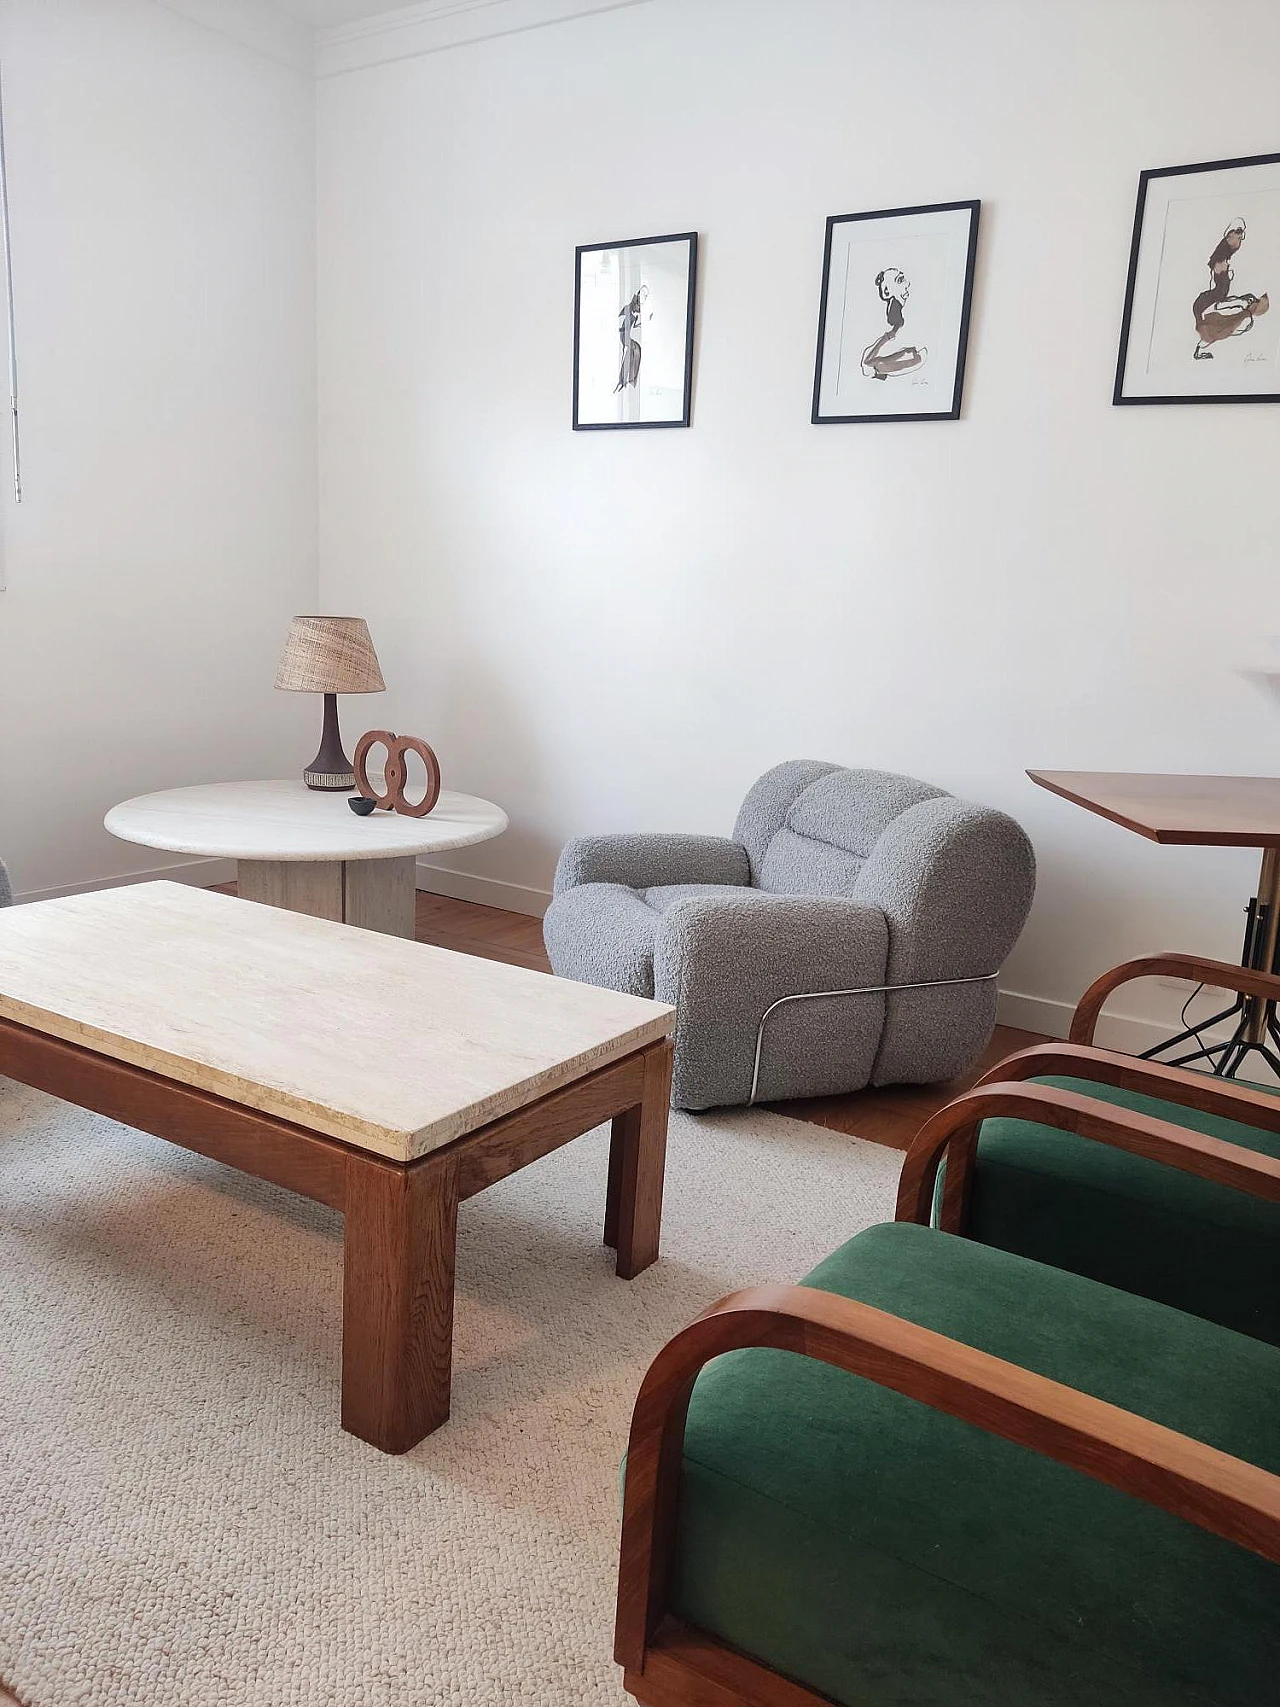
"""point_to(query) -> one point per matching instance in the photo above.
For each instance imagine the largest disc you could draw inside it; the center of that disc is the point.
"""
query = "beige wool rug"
(184, 1524)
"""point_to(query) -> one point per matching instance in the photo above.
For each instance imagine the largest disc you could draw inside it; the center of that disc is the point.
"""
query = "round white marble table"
(298, 848)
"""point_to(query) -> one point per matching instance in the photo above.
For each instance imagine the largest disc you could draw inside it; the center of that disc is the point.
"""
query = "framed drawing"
(1197, 325)
(894, 320)
(633, 332)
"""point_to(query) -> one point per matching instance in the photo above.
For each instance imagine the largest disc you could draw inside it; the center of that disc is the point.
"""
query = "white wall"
(609, 630)
(162, 196)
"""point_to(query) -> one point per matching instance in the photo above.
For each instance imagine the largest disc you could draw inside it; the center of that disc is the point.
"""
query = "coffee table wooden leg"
(637, 1162)
(613, 1191)
(397, 1300)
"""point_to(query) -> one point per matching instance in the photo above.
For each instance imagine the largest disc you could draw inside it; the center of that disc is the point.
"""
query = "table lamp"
(329, 655)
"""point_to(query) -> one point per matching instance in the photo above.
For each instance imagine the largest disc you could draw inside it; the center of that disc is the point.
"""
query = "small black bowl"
(361, 804)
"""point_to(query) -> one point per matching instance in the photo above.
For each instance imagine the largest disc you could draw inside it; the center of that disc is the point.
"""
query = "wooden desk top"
(391, 1046)
(1191, 811)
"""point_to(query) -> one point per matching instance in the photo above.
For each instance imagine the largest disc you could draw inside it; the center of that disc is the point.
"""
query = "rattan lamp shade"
(329, 654)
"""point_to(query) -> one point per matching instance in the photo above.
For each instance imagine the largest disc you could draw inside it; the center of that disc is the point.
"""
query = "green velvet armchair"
(1031, 1466)
(939, 1473)
(1189, 1215)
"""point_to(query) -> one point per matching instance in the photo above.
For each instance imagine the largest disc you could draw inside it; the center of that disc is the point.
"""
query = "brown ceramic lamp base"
(331, 768)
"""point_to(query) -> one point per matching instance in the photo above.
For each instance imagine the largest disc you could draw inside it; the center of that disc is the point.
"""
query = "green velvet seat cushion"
(1130, 1222)
(886, 1555)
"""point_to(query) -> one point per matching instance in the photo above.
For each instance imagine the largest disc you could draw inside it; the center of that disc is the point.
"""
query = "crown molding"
(262, 29)
(431, 26)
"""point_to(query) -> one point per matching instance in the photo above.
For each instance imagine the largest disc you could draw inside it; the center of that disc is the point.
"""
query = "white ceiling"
(323, 13)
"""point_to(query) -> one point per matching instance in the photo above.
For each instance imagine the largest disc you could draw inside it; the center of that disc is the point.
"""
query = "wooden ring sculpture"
(396, 772)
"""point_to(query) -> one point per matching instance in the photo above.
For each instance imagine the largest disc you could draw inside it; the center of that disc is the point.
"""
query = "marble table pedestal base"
(377, 894)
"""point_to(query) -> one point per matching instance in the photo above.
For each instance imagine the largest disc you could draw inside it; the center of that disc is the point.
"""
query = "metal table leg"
(1256, 1029)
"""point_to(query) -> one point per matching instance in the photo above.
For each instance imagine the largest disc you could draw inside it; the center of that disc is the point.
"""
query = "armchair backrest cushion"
(764, 811)
(809, 828)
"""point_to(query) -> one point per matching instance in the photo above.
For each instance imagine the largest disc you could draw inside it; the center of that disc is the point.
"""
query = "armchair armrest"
(954, 1131)
(1220, 972)
(1218, 1493)
(955, 881)
(1227, 1098)
(646, 861)
(815, 942)
(726, 962)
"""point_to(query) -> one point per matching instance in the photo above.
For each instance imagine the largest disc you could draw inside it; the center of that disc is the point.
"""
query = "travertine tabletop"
(289, 821)
(393, 1046)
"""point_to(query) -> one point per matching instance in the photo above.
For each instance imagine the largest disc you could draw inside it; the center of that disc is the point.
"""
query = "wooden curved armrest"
(1209, 1488)
(1225, 1097)
(954, 1130)
(1200, 971)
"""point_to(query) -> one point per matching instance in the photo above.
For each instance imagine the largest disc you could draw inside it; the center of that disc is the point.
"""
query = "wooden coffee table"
(387, 1079)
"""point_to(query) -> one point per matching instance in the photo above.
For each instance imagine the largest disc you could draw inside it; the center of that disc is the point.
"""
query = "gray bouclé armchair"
(6, 892)
(834, 880)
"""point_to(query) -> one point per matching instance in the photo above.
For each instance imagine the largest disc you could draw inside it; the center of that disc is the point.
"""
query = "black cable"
(1194, 1030)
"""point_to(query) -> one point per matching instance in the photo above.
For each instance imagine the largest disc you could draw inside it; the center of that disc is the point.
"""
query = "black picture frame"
(1145, 179)
(688, 237)
(974, 209)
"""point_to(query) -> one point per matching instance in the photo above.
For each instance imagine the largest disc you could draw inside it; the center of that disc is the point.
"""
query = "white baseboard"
(1034, 1013)
(1123, 1032)
(488, 891)
(204, 873)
